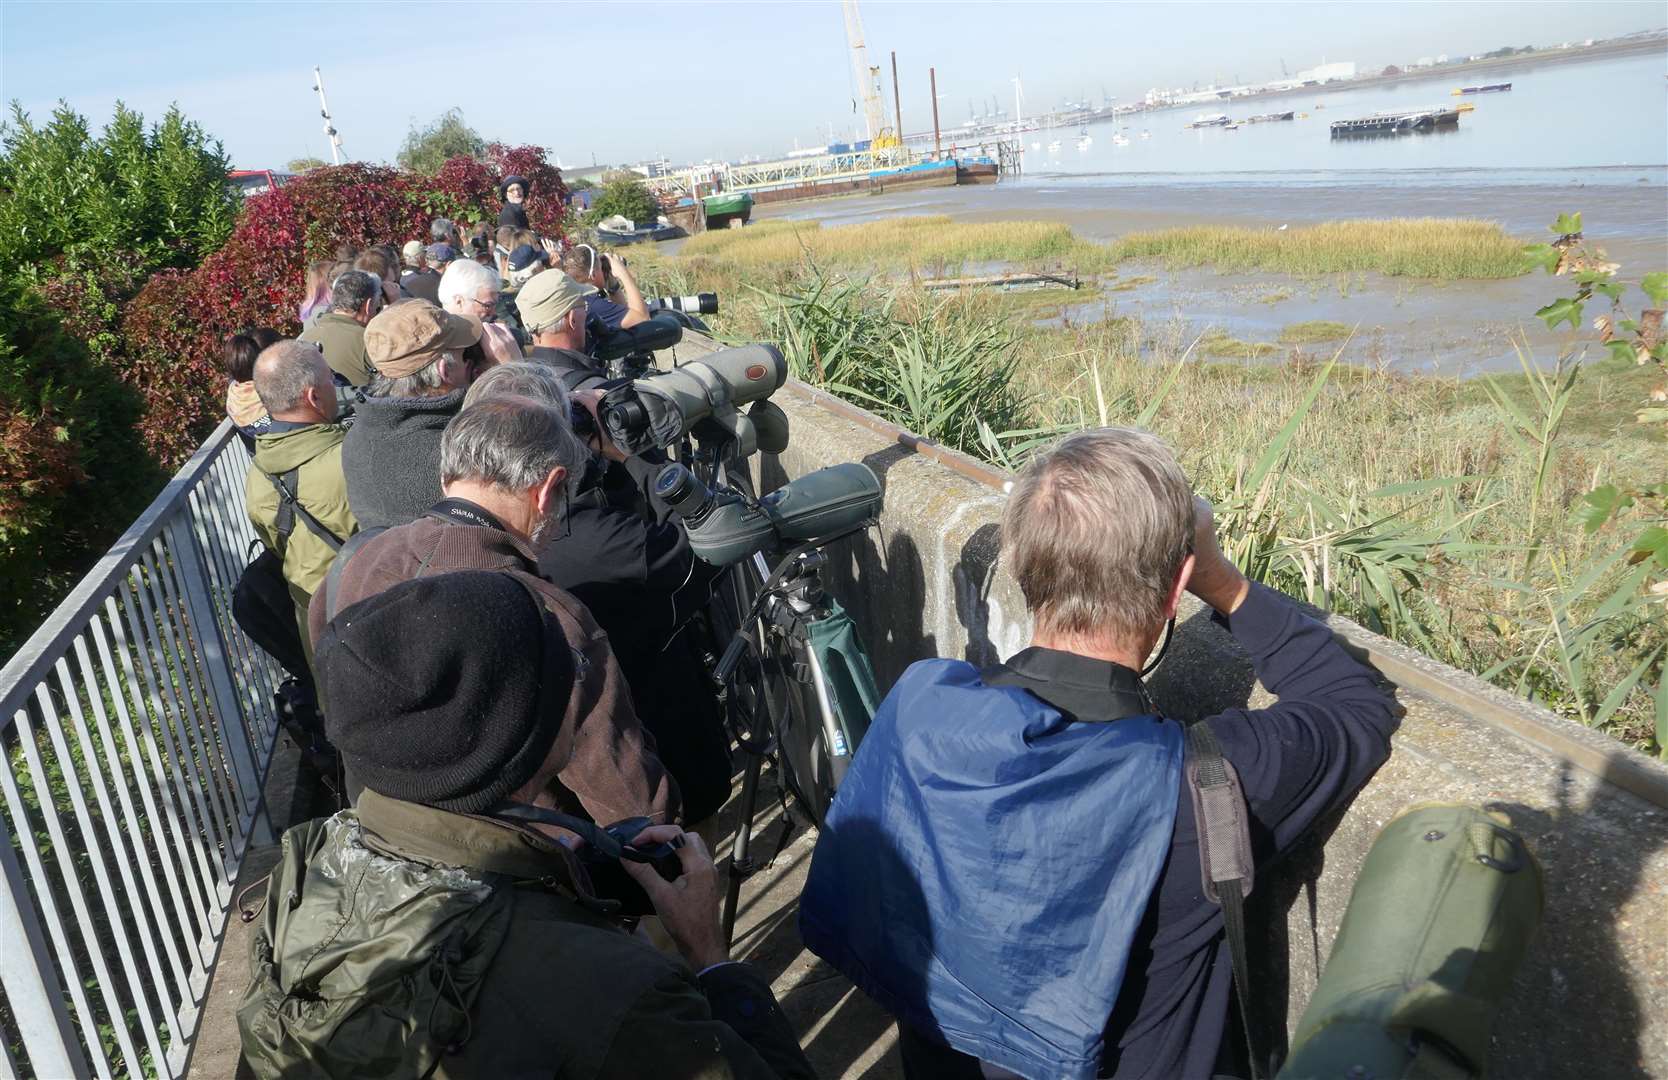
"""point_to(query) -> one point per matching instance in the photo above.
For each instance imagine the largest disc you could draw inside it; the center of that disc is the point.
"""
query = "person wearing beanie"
(514, 191)
(392, 453)
(504, 468)
(428, 933)
(552, 309)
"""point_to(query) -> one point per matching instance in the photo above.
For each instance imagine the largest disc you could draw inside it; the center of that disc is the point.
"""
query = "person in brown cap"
(553, 311)
(392, 453)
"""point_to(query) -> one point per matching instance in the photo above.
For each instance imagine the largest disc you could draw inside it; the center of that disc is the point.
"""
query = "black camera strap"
(289, 507)
(464, 512)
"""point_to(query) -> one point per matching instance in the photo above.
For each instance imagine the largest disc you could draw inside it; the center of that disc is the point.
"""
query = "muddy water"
(1408, 324)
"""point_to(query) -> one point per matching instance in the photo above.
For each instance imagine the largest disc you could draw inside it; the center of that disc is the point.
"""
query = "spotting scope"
(724, 528)
(655, 332)
(660, 409)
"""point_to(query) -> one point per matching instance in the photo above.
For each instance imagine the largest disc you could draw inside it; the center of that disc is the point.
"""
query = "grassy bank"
(1412, 504)
(1420, 247)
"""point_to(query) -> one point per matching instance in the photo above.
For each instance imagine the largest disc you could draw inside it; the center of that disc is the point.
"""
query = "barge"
(1397, 123)
(1489, 88)
(1266, 118)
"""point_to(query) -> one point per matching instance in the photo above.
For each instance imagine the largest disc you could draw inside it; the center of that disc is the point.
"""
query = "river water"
(1585, 136)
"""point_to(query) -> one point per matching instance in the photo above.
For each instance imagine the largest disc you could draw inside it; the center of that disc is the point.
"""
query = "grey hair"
(349, 292)
(463, 279)
(510, 441)
(440, 230)
(430, 381)
(1095, 531)
(538, 382)
(283, 372)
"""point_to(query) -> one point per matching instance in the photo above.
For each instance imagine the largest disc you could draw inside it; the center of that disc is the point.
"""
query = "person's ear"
(1183, 576)
(549, 490)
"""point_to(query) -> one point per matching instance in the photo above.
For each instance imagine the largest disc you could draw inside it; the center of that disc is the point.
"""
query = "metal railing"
(135, 730)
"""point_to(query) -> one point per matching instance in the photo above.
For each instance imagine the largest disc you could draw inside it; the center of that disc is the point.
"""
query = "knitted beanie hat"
(448, 690)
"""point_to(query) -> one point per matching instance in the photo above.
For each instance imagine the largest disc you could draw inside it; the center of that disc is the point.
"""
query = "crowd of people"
(489, 618)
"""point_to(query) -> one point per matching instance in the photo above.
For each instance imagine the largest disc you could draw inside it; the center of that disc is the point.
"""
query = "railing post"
(29, 978)
(182, 544)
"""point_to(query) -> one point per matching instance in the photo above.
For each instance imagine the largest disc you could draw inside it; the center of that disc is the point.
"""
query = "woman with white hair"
(468, 288)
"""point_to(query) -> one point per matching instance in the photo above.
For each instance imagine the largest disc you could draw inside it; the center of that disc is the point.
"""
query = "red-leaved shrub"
(173, 329)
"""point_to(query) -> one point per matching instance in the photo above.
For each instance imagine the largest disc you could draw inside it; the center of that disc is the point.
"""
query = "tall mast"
(868, 78)
(324, 111)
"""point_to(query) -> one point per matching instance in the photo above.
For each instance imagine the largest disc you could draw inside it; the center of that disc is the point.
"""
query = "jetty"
(1397, 123)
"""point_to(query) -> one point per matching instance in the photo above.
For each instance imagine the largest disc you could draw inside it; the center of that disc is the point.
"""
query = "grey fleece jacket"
(392, 457)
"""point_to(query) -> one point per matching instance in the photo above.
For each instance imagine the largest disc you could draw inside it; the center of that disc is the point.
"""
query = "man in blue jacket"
(1011, 866)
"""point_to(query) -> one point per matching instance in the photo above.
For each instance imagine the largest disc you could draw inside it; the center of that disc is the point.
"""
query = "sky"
(629, 81)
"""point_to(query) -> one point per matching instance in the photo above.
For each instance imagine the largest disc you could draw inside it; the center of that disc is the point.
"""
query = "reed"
(930, 244)
(1441, 248)
(1313, 331)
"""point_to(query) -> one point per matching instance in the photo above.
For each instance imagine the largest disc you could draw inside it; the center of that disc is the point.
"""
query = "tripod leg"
(741, 866)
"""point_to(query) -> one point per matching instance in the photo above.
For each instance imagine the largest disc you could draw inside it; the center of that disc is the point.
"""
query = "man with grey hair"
(468, 288)
(295, 493)
(504, 465)
(626, 556)
(356, 297)
(1035, 904)
(392, 453)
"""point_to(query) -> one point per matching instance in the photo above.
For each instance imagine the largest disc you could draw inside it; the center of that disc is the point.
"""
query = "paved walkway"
(843, 1032)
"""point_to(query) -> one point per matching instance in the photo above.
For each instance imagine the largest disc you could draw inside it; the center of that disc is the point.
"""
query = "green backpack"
(1442, 913)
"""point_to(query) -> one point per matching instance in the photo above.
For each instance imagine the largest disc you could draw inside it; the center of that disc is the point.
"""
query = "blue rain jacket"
(986, 862)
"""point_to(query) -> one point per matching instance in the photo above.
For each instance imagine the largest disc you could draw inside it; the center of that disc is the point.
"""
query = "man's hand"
(600, 442)
(688, 907)
(1215, 580)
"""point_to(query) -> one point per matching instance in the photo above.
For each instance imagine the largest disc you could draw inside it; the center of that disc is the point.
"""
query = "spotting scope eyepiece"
(659, 410)
(724, 528)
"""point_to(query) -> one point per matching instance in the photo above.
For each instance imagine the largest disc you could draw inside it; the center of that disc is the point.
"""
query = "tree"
(1391, 70)
(427, 149)
(304, 164)
(624, 193)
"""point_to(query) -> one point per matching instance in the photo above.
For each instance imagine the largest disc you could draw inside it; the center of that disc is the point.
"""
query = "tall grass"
(1446, 248)
(1410, 504)
(911, 243)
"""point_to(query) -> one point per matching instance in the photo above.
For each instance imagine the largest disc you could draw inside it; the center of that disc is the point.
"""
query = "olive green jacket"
(402, 940)
(342, 340)
(316, 452)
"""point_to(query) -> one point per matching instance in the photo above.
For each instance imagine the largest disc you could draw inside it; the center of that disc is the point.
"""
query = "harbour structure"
(1486, 88)
(1397, 123)
(1267, 118)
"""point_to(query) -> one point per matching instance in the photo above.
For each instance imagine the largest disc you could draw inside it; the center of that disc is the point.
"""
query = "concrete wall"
(1592, 998)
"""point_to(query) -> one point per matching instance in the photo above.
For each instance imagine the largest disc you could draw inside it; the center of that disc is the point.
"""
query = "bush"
(427, 150)
(624, 193)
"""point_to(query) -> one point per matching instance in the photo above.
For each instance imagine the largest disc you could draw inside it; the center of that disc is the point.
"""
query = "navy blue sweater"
(1298, 759)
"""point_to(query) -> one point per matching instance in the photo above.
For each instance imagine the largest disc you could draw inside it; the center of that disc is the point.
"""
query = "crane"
(324, 111)
(868, 79)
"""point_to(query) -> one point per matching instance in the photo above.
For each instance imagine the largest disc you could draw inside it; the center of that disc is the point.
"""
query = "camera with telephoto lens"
(627, 353)
(725, 528)
(700, 304)
(702, 396)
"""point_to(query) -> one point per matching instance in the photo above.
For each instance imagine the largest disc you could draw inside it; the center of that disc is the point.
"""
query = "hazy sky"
(689, 80)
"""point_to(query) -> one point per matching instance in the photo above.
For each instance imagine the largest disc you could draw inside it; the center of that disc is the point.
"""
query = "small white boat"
(1120, 140)
(1146, 134)
(1084, 141)
(1054, 147)
(1036, 146)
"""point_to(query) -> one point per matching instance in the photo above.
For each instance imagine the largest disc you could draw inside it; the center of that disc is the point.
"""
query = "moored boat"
(1211, 120)
(727, 206)
(1486, 88)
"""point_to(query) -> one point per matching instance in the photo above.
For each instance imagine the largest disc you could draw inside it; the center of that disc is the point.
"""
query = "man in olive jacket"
(301, 454)
(428, 933)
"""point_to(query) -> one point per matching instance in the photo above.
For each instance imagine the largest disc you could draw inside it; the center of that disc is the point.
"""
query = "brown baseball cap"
(407, 337)
(548, 297)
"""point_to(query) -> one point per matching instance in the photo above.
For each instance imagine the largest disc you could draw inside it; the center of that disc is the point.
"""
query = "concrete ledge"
(927, 582)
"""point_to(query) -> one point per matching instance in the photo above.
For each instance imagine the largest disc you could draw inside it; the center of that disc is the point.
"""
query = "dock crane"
(868, 80)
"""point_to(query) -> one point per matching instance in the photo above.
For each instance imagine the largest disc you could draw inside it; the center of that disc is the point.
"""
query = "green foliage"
(303, 164)
(624, 193)
(426, 149)
(158, 195)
